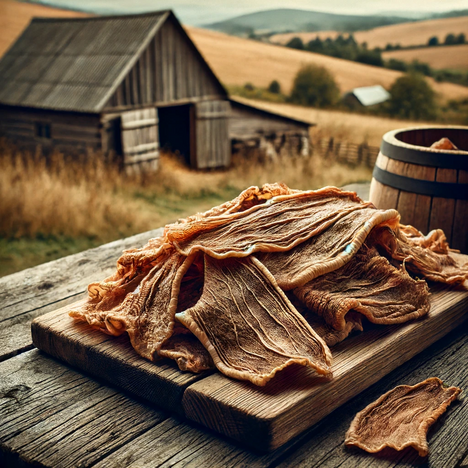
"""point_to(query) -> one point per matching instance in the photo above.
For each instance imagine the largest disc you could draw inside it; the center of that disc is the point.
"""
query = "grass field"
(47, 212)
(452, 57)
(15, 16)
(237, 61)
(405, 34)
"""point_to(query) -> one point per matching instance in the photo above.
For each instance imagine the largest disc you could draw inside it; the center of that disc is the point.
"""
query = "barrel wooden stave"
(421, 211)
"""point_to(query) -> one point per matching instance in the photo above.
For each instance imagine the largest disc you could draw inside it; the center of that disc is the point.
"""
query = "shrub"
(314, 86)
(395, 64)
(461, 38)
(433, 41)
(249, 87)
(296, 43)
(450, 39)
(412, 98)
(370, 57)
(274, 87)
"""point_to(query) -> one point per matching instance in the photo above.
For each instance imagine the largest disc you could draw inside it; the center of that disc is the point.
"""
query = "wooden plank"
(45, 404)
(296, 398)
(36, 291)
(111, 359)
(323, 445)
(54, 416)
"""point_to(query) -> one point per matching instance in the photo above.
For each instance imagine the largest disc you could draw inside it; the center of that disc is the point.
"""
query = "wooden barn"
(123, 84)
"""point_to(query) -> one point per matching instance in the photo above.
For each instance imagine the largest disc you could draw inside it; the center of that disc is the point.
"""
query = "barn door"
(140, 145)
(212, 147)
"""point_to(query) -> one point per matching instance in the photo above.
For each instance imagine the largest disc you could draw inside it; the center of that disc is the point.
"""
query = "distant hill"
(284, 20)
(407, 34)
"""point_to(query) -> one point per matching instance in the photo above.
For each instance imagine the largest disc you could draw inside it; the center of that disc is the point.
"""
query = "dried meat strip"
(368, 284)
(427, 256)
(248, 325)
(330, 335)
(147, 313)
(327, 251)
(280, 224)
(401, 417)
(188, 352)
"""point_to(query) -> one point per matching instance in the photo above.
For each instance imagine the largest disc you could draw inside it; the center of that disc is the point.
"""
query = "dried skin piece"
(248, 325)
(327, 251)
(106, 299)
(331, 336)
(245, 200)
(425, 255)
(367, 284)
(147, 313)
(401, 417)
(444, 143)
(277, 225)
(188, 352)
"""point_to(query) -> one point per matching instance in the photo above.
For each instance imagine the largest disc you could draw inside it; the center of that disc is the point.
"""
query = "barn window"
(42, 130)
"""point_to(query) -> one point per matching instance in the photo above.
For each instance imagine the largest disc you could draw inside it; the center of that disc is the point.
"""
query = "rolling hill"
(300, 20)
(453, 57)
(237, 61)
(405, 34)
(15, 16)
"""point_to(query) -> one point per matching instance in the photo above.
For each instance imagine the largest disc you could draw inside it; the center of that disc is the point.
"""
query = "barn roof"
(370, 95)
(75, 64)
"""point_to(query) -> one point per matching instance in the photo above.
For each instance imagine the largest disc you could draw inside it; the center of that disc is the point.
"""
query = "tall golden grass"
(85, 196)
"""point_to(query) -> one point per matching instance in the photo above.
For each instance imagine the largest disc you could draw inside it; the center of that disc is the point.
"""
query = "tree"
(274, 87)
(395, 64)
(371, 57)
(249, 86)
(296, 43)
(450, 39)
(314, 86)
(412, 98)
(433, 41)
(461, 38)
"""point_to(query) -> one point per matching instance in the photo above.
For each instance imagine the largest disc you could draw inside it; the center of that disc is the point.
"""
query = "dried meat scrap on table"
(401, 417)
(163, 295)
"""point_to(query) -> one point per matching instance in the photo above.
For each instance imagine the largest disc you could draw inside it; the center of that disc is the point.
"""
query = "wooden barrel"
(429, 187)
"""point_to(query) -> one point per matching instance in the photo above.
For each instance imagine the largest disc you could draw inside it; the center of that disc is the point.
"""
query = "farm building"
(366, 96)
(129, 85)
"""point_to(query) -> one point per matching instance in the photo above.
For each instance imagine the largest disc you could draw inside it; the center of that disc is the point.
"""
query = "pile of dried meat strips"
(271, 278)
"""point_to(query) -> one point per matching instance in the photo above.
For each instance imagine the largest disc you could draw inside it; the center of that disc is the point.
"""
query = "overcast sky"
(197, 12)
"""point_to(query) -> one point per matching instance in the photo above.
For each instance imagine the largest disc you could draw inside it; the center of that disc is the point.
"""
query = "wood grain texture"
(111, 359)
(54, 416)
(296, 399)
(323, 445)
(36, 291)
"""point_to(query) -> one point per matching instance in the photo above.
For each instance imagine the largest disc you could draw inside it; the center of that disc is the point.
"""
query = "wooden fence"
(345, 152)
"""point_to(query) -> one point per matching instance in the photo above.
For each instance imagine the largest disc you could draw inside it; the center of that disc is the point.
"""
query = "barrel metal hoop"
(447, 160)
(421, 187)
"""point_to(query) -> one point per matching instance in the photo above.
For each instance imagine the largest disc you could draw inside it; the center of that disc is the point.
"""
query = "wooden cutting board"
(263, 418)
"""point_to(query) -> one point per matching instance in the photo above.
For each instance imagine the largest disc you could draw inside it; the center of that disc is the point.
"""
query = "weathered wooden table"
(53, 415)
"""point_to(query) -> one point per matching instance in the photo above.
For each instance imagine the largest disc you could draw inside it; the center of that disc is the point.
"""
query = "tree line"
(349, 49)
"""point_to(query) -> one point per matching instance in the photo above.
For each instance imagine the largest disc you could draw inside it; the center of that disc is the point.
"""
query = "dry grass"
(85, 197)
(237, 61)
(454, 57)
(406, 34)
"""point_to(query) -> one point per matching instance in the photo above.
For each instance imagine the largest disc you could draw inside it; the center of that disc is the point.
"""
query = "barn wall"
(168, 71)
(67, 130)
(246, 123)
